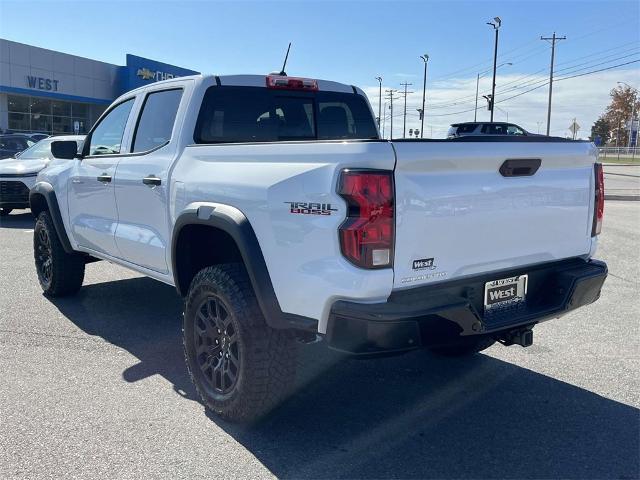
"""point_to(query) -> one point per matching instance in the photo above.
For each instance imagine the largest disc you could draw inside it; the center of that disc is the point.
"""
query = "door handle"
(104, 178)
(152, 181)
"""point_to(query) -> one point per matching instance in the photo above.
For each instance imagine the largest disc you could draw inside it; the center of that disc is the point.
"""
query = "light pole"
(505, 112)
(379, 101)
(496, 26)
(475, 112)
(384, 122)
(617, 137)
(633, 107)
(425, 59)
(480, 75)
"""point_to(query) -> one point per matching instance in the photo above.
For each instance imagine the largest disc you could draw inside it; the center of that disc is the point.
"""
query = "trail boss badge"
(310, 208)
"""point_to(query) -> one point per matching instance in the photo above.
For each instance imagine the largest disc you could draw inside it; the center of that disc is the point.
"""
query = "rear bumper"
(438, 313)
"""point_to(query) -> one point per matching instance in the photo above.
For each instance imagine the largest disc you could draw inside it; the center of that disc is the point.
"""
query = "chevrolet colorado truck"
(276, 210)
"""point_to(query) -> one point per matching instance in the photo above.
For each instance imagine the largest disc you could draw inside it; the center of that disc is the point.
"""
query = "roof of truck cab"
(248, 81)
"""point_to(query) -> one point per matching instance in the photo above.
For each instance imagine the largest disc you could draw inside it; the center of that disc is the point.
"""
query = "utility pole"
(425, 59)
(496, 26)
(553, 41)
(390, 93)
(379, 101)
(404, 125)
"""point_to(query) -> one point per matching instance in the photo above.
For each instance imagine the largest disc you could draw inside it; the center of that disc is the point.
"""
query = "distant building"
(52, 92)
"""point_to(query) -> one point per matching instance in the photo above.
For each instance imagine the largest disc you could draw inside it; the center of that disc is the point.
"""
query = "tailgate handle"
(520, 167)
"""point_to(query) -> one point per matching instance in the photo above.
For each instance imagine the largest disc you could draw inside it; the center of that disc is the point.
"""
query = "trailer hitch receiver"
(520, 336)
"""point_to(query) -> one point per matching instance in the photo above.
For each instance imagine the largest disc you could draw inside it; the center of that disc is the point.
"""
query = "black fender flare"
(238, 227)
(45, 190)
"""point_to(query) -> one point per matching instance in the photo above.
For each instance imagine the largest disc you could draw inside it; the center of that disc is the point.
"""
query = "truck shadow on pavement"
(413, 416)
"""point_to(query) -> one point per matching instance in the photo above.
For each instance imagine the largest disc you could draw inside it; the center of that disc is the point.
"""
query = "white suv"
(485, 128)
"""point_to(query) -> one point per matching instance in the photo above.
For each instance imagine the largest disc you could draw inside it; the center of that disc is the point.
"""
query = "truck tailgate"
(457, 215)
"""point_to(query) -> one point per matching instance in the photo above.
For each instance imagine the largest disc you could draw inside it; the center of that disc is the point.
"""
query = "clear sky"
(355, 41)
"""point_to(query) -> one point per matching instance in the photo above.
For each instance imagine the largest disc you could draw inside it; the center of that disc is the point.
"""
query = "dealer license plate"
(505, 292)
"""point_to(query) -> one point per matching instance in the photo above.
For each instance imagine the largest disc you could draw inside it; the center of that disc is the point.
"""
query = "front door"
(92, 205)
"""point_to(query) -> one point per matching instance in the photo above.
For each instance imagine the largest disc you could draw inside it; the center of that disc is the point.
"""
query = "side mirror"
(64, 149)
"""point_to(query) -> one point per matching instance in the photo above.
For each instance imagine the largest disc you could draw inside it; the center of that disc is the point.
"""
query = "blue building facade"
(52, 92)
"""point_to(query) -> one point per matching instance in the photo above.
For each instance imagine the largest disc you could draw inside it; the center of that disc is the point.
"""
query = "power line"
(520, 82)
(574, 70)
(597, 54)
(540, 86)
(532, 52)
(599, 70)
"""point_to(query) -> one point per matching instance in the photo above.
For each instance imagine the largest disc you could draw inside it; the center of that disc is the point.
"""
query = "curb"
(629, 198)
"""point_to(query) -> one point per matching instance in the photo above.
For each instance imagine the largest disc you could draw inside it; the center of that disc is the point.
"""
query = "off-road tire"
(266, 357)
(5, 211)
(59, 272)
(463, 347)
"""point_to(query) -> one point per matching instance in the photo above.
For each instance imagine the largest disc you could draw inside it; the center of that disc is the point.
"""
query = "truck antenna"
(286, 57)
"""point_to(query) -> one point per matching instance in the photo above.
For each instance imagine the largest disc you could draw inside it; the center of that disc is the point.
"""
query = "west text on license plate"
(506, 291)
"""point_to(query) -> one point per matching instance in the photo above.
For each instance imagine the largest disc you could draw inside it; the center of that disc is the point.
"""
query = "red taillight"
(366, 236)
(291, 83)
(598, 204)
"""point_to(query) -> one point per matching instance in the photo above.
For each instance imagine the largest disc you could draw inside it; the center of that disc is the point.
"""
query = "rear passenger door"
(141, 188)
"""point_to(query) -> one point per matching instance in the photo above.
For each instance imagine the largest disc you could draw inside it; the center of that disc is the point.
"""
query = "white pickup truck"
(276, 210)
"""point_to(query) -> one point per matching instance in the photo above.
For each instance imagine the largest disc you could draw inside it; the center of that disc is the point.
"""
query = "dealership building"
(56, 93)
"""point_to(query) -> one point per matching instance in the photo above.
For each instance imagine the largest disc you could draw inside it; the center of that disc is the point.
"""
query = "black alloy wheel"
(44, 257)
(217, 347)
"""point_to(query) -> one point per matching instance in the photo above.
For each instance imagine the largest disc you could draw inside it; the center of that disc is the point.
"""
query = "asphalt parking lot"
(95, 386)
(622, 181)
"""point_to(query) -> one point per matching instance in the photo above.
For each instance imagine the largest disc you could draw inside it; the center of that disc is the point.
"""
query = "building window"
(35, 114)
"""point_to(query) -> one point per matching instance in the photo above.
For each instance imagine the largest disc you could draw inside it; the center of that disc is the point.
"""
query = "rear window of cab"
(231, 114)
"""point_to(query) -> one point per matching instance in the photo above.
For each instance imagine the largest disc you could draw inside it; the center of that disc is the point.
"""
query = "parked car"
(485, 128)
(38, 136)
(280, 215)
(18, 175)
(13, 143)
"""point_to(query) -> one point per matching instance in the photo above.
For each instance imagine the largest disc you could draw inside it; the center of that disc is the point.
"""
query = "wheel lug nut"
(220, 354)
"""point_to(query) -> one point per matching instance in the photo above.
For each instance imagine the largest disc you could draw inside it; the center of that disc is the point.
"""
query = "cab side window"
(156, 120)
(494, 129)
(107, 136)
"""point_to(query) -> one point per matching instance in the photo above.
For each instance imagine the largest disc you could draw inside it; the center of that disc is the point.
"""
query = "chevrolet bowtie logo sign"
(146, 74)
